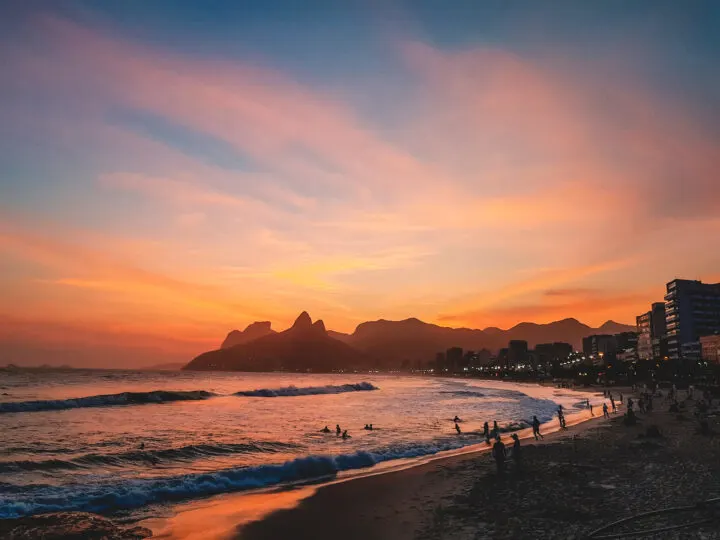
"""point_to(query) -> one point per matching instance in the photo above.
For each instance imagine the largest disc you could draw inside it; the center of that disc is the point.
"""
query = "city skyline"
(170, 174)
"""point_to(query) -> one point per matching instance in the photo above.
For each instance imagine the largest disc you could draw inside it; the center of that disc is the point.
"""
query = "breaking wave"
(135, 493)
(292, 391)
(106, 400)
(151, 457)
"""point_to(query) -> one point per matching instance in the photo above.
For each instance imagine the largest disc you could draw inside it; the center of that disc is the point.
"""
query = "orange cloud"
(499, 167)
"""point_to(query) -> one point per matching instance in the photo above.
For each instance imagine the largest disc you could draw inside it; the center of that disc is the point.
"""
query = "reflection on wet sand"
(218, 517)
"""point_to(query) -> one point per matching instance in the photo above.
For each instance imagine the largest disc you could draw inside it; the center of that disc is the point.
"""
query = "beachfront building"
(626, 343)
(454, 359)
(517, 353)
(600, 348)
(547, 353)
(651, 330)
(710, 348)
(644, 329)
(692, 310)
(660, 348)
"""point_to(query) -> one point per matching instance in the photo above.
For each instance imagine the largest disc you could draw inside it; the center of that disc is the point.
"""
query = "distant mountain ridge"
(380, 343)
(304, 346)
(253, 331)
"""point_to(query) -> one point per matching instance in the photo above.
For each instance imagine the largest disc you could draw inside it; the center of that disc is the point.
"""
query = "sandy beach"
(570, 484)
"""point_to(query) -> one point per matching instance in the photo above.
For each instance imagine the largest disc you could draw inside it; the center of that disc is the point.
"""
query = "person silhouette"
(338, 431)
(457, 427)
(516, 454)
(499, 454)
(536, 428)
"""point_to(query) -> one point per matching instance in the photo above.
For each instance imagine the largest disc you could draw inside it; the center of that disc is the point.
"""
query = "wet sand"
(368, 502)
(572, 483)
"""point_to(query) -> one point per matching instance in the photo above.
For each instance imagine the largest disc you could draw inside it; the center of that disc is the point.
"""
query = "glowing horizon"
(171, 174)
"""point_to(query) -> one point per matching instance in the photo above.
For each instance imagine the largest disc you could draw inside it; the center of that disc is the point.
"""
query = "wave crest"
(105, 400)
(293, 391)
(153, 457)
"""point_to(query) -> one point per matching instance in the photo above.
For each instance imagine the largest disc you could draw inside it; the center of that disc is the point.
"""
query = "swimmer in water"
(325, 430)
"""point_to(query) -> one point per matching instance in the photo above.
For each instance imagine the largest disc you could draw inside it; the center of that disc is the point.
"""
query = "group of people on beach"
(499, 450)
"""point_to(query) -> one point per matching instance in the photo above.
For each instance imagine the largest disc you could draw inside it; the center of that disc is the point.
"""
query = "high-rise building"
(454, 358)
(626, 343)
(650, 327)
(644, 330)
(657, 320)
(692, 310)
(517, 352)
(602, 347)
(552, 352)
(660, 348)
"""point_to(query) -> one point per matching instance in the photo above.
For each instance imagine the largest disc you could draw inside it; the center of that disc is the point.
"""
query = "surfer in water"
(345, 435)
(338, 431)
(457, 427)
(457, 419)
(325, 430)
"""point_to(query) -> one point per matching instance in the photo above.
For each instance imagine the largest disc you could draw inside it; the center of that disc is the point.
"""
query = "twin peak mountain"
(308, 346)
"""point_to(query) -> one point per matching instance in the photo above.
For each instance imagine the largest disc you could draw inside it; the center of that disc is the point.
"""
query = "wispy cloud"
(503, 186)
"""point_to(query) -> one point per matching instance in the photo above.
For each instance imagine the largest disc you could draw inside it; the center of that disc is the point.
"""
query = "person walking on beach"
(536, 428)
(499, 453)
(612, 402)
(486, 430)
(561, 416)
(516, 454)
(496, 429)
(605, 411)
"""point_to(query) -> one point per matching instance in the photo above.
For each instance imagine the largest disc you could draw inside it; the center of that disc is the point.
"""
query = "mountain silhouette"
(252, 332)
(302, 347)
(612, 327)
(381, 343)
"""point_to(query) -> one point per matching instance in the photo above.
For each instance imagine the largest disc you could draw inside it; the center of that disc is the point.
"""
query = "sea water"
(129, 443)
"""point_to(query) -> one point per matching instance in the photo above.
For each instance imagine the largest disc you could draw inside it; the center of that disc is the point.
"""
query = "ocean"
(130, 443)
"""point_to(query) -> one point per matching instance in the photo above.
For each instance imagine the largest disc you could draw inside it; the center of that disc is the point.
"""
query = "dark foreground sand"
(577, 481)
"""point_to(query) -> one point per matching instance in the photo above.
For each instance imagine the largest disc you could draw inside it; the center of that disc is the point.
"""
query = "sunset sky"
(171, 170)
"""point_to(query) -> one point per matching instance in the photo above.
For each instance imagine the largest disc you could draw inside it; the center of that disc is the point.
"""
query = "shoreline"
(570, 484)
(231, 512)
